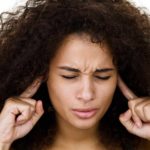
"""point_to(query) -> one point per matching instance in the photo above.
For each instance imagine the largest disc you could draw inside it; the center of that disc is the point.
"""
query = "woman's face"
(81, 81)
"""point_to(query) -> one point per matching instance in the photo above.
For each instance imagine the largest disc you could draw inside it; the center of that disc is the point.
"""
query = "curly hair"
(29, 39)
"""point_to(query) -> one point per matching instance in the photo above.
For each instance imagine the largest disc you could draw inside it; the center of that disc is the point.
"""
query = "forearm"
(4, 146)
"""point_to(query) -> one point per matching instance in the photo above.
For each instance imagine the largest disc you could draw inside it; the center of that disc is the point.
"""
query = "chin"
(84, 124)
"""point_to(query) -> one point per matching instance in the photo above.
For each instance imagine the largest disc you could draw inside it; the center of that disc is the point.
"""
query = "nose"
(86, 92)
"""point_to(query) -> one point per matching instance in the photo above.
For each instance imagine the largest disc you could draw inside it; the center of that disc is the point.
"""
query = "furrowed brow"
(104, 70)
(77, 70)
(69, 69)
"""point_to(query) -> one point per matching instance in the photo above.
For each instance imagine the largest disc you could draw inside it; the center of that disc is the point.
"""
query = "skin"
(136, 119)
(20, 114)
(85, 89)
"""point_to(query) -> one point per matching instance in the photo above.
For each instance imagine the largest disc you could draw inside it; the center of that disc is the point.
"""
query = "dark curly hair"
(29, 39)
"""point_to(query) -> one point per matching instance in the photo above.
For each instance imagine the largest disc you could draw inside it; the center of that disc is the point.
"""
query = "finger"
(136, 119)
(125, 90)
(30, 114)
(27, 101)
(39, 108)
(39, 111)
(24, 115)
(32, 89)
(126, 120)
(16, 104)
(142, 109)
(147, 112)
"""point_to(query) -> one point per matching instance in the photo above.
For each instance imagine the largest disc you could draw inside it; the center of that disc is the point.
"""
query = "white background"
(11, 4)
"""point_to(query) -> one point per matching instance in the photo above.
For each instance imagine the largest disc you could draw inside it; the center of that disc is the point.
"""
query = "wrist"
(4, 146)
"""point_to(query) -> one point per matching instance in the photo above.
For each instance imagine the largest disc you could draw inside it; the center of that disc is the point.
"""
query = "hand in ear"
(137, 118)
(20, 114)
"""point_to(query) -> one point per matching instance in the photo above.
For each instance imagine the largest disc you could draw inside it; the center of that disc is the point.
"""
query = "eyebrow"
(77, 70)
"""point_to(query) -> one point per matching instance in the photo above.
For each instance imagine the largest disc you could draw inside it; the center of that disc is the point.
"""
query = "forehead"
(79, 52)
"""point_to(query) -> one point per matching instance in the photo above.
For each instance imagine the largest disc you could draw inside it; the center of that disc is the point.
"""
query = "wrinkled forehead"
(79, 52)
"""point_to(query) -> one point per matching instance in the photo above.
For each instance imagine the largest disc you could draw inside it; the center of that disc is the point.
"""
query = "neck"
(73, 134)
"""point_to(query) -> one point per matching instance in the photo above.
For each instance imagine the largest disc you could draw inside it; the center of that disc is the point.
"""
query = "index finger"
(32, 89)
(125, 89)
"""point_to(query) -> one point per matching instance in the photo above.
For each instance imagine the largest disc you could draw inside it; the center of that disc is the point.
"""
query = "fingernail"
(36, 83)
(125, 115)
(139, 124)
(39, 100)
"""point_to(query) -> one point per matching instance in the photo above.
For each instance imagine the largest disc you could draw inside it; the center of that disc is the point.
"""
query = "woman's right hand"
(19, 115)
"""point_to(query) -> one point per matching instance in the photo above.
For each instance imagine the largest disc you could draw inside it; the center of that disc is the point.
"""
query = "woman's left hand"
(137, 118)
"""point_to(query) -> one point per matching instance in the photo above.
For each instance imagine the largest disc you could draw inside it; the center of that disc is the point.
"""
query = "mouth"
(84, 113)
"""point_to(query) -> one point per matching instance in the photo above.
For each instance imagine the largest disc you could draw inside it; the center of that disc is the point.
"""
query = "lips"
(84, 113)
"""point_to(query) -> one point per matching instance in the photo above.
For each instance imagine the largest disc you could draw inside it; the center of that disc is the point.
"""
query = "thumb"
(126, 120)
(39, 111)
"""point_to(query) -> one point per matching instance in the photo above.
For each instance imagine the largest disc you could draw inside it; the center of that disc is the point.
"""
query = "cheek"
(59, 94)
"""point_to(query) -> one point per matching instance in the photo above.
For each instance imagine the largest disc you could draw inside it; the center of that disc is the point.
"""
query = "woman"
(75, 75)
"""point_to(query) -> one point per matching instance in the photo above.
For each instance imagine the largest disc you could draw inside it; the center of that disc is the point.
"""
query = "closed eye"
(103, 78)
(69, 77)
(98, 77)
